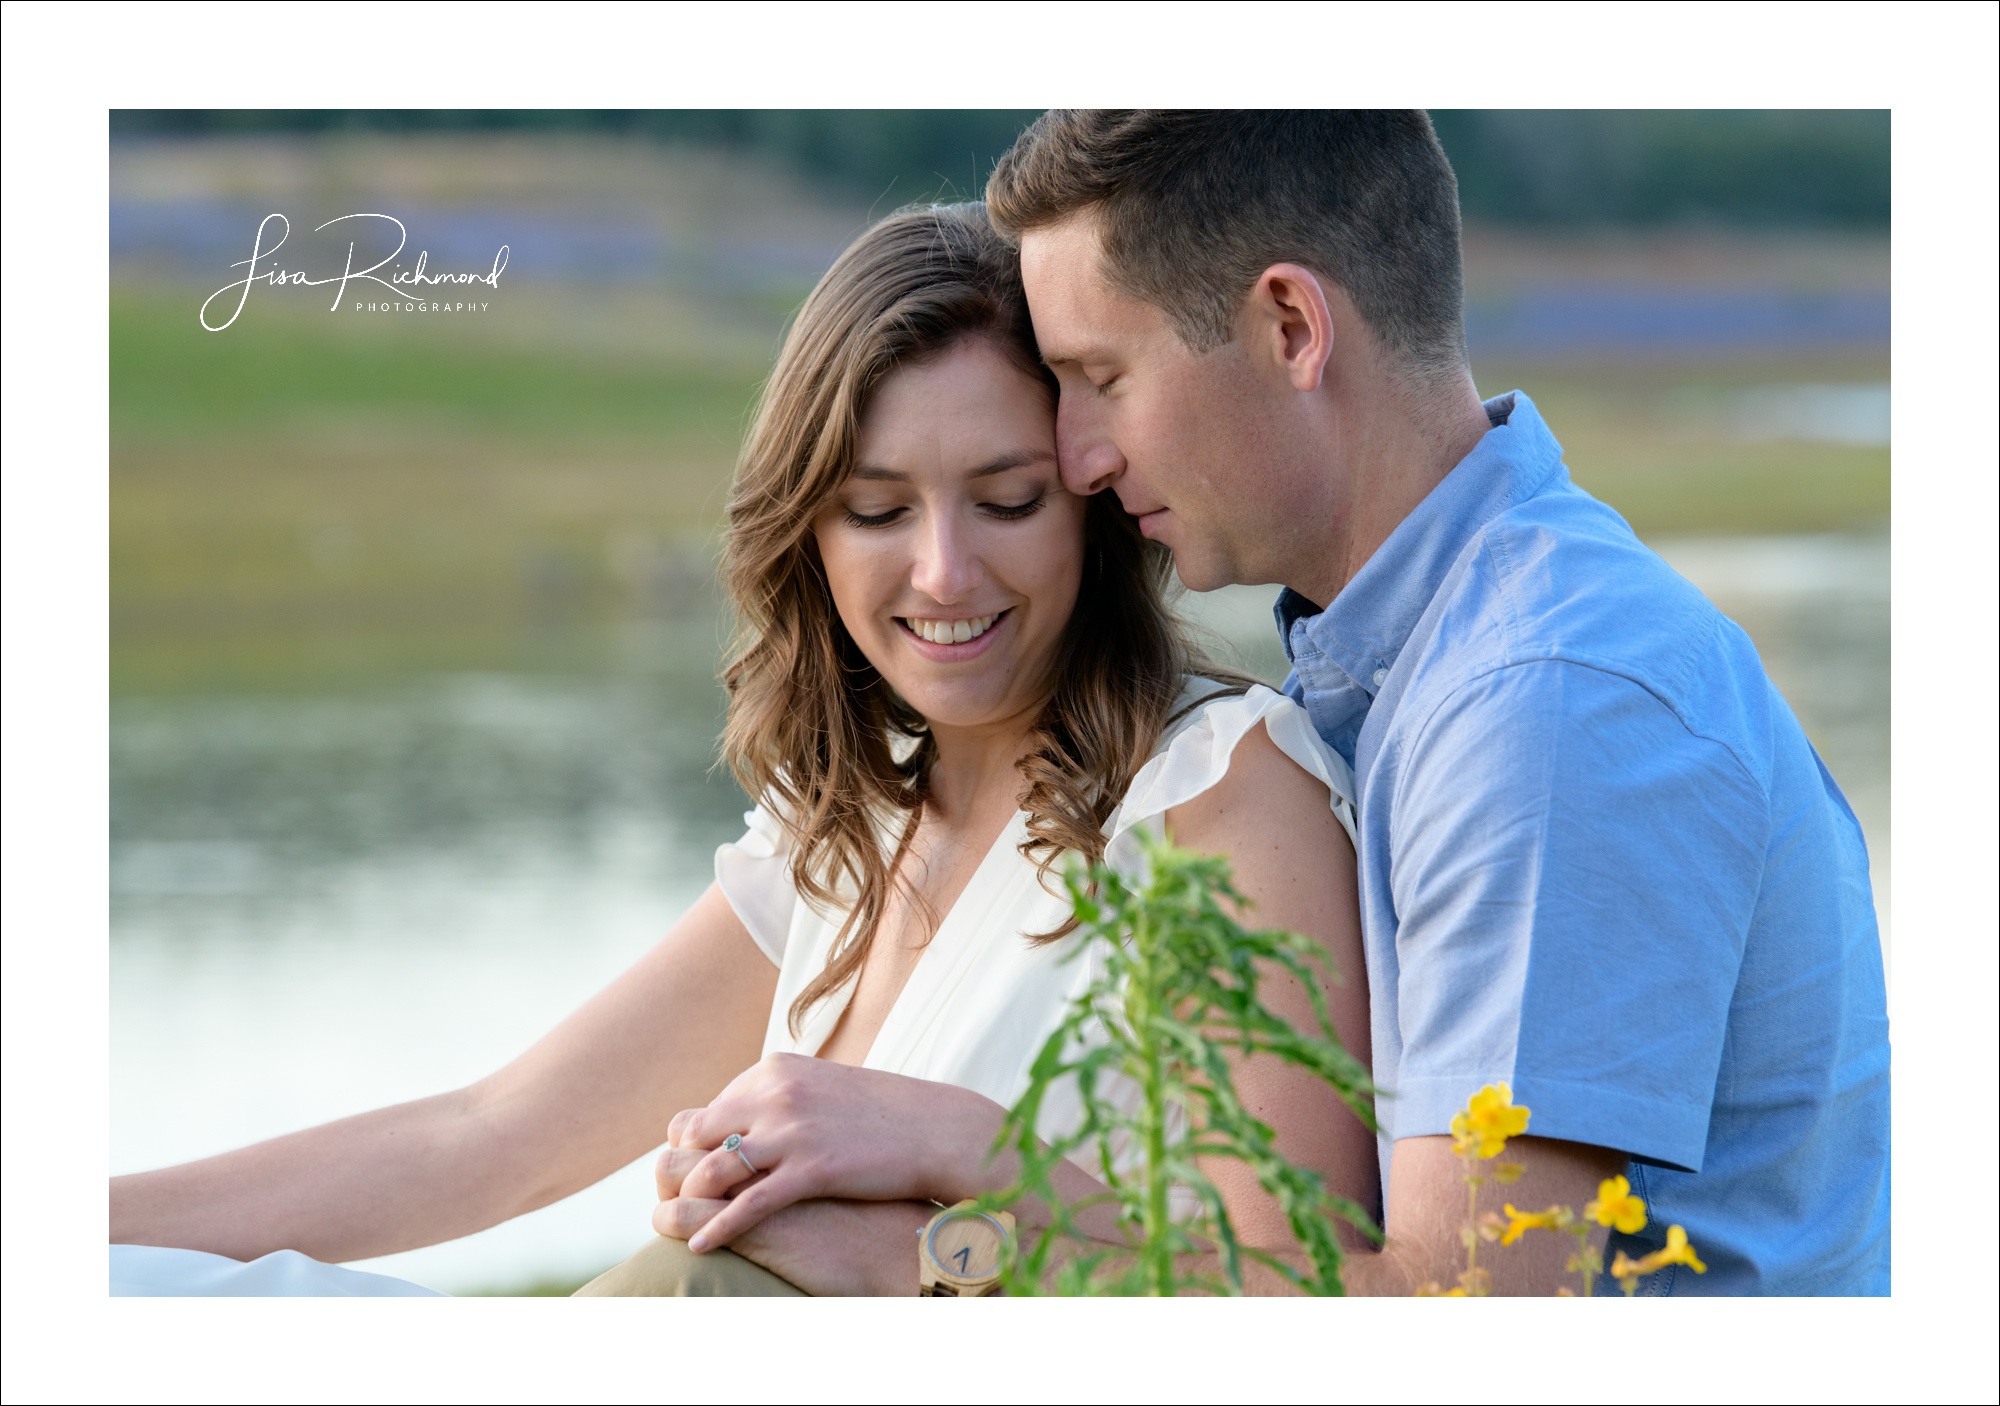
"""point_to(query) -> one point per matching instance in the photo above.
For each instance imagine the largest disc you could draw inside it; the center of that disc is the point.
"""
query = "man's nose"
(947, 568)
(1086, 455)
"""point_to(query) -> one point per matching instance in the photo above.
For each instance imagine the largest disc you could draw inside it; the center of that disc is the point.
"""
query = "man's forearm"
(831, 1249)
(1429, 1202)
(1387, 1273)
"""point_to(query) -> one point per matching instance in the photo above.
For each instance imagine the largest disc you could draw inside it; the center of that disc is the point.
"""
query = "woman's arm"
(586, 1099)
(1295, 864)
(817, 1130)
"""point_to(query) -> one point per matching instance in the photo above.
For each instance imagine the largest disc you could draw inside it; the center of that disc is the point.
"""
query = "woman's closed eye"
(1005, 512)
(856, 518)
(1014, 512)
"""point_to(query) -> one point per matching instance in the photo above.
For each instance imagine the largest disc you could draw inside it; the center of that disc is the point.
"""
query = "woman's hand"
(816, 1129)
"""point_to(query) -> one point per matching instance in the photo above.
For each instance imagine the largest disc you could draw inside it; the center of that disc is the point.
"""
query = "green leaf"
(1149, 1045)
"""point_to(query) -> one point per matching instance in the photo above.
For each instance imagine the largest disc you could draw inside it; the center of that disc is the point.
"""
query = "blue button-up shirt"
(1601, 862)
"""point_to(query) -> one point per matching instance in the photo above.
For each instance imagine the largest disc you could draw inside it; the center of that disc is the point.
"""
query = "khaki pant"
(668, 1269)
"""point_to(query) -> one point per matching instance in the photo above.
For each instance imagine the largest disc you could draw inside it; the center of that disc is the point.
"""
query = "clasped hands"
(848, 1162)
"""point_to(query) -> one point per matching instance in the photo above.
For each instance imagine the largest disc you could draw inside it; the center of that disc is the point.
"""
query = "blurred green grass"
(305, 494)
(308, 496)
(170, 378)
(1653, 440)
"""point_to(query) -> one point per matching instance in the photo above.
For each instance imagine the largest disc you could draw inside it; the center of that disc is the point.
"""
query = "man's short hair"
(1194, 205)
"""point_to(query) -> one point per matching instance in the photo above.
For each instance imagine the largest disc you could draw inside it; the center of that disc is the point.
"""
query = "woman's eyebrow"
(1017, 460)
(1020, 458)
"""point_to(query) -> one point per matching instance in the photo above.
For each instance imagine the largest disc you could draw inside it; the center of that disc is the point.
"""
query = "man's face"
(1186, 439)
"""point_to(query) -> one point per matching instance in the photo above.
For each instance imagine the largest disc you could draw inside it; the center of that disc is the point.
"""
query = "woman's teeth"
(950, 631)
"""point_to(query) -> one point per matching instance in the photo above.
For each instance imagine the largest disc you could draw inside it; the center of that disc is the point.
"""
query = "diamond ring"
(734, 1143)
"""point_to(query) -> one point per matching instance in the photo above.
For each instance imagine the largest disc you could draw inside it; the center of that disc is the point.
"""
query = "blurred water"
(1830, 414)
(330, 901)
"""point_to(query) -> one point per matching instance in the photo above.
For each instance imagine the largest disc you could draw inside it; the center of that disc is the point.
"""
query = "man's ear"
(1290, 305)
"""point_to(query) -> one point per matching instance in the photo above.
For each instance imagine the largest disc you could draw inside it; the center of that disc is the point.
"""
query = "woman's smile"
(948, 641)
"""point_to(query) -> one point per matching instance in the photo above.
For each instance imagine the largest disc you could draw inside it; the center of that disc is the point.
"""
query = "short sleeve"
(1574, 873)
(1196, 756)
(755, 875)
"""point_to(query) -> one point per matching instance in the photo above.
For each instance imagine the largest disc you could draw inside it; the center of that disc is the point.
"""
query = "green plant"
(1149, 1044)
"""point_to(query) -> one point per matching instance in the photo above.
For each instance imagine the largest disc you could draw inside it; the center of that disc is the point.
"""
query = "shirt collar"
(1365, 627)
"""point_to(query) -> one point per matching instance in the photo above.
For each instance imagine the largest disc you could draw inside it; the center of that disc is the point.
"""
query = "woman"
(953, 675)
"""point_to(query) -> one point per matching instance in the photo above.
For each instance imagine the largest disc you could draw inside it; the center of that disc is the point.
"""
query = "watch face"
(966, 1245)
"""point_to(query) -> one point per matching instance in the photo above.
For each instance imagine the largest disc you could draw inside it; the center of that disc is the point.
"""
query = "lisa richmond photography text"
(385, 285)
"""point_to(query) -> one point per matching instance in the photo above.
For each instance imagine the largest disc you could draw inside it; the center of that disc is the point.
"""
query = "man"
(1599, 860)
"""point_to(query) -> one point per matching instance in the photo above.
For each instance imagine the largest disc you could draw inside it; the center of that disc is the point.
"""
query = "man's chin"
(1198, 573)
(1199, 565)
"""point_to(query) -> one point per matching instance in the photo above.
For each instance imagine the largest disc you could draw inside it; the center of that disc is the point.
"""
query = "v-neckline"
(929, 972)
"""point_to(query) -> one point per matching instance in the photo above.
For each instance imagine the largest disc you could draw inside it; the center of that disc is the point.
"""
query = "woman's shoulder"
(1198, 748)
(755, 875)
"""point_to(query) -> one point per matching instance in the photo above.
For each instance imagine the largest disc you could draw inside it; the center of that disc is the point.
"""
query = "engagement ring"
(734, 1143)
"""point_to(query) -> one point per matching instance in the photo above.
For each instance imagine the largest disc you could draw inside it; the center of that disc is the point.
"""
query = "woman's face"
(953, 551)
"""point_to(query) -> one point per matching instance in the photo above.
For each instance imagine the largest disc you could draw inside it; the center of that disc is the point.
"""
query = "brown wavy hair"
(814, 730)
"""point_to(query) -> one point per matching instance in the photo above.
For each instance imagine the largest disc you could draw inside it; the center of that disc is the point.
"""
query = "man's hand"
(1427, 1206)
(831, 1249)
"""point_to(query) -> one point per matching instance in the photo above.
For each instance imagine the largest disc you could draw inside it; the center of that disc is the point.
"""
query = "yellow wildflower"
(1519, 1223)
(1489, 1119)
(1616, 1206)
(1677, 1250)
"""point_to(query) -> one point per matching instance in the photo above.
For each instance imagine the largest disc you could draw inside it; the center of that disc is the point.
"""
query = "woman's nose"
(947, 568)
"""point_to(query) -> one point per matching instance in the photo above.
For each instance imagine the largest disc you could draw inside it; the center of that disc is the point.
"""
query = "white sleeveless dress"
(982, 999)
(975, 1012)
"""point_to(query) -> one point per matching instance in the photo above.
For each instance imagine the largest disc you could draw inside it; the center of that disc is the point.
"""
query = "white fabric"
(752, 872)
(983, 1000)
(1196, 754)
(150, 1271)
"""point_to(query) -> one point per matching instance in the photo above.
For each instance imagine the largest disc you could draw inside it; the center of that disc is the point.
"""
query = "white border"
(65, 65)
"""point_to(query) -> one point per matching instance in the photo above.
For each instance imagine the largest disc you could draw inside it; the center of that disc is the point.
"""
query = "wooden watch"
(960, 1251)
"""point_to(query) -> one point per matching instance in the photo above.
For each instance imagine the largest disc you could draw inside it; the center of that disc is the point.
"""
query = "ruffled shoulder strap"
(1195, 754)
(755, 875)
